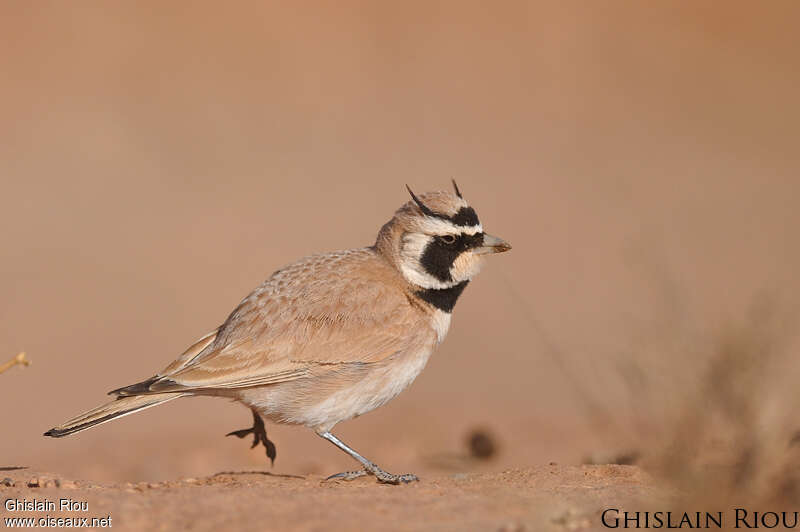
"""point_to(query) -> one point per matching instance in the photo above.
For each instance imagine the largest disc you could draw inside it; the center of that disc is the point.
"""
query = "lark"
(331, 336)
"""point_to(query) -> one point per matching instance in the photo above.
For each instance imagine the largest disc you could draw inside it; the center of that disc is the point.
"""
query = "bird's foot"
(380, 475)
(348, 475)
(387, 478)
(259, 433)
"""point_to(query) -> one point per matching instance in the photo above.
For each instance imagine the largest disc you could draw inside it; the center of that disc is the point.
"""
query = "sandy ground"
(158, 160)
(551, 497)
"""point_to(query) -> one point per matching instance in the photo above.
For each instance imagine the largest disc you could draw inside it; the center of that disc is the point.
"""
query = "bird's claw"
(348, 475)
(259, 433)
(380, 475)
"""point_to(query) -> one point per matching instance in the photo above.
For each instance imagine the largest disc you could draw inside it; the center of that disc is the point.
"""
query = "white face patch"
(411, 249)
(413, 245)
(437, 226)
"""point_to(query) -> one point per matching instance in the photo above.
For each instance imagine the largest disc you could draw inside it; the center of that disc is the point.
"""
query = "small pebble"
(481, 444)
(43, 482)
(7, 482)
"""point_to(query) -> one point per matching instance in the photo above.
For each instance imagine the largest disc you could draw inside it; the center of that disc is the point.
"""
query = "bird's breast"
(341, 394)
(440, 321)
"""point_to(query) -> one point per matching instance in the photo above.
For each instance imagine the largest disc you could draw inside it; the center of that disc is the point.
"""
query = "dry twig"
(17, 360)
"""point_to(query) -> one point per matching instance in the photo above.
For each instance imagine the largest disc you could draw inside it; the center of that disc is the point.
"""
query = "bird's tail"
(122, 406)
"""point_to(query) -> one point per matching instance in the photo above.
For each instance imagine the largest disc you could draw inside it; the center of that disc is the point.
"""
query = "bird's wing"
(322, 311)
(193, 350)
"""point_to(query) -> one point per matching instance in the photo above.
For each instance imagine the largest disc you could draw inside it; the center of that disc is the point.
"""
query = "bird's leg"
(369, 467)
(259, 433)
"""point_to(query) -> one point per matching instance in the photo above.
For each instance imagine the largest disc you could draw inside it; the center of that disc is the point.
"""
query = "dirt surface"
(158, 160)
(549, 497)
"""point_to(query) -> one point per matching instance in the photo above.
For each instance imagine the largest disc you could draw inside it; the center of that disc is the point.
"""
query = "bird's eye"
(448, 239)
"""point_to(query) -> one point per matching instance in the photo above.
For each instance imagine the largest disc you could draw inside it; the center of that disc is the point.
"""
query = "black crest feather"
(419, 203)
(455, 186)
(464, 217)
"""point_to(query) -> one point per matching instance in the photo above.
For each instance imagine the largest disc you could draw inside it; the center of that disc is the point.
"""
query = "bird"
(331, 336)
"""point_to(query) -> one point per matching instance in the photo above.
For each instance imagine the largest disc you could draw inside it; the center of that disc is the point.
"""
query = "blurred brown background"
(160, 159)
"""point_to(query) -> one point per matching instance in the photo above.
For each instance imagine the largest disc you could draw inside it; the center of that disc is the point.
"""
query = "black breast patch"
(444, 298)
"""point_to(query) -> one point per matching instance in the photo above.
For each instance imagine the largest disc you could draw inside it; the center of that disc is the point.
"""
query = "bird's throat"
(443, 298)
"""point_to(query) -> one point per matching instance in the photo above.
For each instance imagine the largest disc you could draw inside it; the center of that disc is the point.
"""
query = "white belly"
(378, 387)
(296, 401)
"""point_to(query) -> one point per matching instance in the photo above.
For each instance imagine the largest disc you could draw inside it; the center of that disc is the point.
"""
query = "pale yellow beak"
(492, 244)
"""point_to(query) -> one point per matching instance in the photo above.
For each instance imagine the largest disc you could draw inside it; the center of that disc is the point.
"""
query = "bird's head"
(436, 240)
